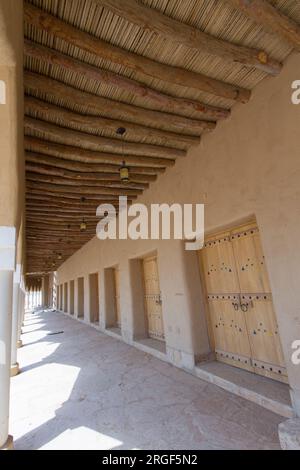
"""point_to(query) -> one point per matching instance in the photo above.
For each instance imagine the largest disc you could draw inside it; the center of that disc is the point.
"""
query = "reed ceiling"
(163, 82)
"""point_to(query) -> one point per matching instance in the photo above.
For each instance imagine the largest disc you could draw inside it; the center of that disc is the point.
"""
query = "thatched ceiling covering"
(165, 70)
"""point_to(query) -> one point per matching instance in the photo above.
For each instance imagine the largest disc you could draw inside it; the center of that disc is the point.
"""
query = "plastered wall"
(250, 165)
(12, 170)
(11, 113)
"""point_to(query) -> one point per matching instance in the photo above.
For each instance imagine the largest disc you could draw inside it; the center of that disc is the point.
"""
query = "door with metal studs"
(243, 321)
(153, 304)
(117, 297)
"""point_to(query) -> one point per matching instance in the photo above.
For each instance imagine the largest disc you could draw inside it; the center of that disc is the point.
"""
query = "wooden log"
(32, 208)
(50, 161)
(60, 212)
(61, 220)
(64, 189)
(53, 204)
(179, 33)
(97, 143)
(78, 38)
(92, 125)
(156, 98)
(100, 106)
(77, 154)
(270, 18)
(32, 190)
(57, 199)
(83, 183)
(75, 175)
(57, 233)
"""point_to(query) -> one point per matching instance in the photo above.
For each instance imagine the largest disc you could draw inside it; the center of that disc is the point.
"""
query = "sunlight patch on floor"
(82, 438)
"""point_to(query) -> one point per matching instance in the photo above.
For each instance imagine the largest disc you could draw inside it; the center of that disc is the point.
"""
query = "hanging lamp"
(124, 170)
(83, 226)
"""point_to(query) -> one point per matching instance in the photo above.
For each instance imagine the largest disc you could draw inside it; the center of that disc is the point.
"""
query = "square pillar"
(17, 300)
(7, 268)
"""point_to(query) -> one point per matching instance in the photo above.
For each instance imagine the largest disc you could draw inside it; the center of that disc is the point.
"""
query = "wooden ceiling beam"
(180, 33)
(151, 68)
(82, 190)
(156, 98)
(59, 236)
(36, 177)
(36, 194)
(77, 154)
(55, 237)
(33, 190)
(50, 161)
(271, 19)
(97, 143)
(32, 201)
(75, 175)
(98, 105)
(76, 207)
(60, 247)
(93, 124)
(66, 162)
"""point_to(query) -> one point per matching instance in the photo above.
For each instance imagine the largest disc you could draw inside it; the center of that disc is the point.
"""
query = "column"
(15, 320)
(7, 267)
(21, 312)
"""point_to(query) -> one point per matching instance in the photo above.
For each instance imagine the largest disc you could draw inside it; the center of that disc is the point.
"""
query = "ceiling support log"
(94, 124)
(151, 68)
(158, 99)
(79, 176)
(153, 20)
(97, 143)
(41, 160)
(100, 106)
(273, 20)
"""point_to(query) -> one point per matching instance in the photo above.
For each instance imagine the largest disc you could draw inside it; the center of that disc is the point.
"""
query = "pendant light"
(83, 226)
(124, 173)
(124, 170)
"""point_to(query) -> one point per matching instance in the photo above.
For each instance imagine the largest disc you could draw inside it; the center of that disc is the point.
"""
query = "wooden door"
(117, 297)
(227, 321)
(230, 331)
(256, 302)
(153, 299)
(219, 265)
(240, 304)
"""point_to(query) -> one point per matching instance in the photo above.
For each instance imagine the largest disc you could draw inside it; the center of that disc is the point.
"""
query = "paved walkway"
(83, 389)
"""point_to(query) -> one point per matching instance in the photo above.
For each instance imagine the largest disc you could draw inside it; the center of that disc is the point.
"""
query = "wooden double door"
(242, 319)
(117, 297)
(153, 304)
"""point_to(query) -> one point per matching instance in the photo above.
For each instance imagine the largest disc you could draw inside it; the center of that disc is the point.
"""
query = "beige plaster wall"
(250, 165)
(11, 118)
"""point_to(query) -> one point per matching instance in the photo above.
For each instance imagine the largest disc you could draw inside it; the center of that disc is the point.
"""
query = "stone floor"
(83, 389)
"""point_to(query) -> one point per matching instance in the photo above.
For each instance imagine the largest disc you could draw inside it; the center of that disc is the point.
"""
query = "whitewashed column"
(7, 268)
(15, 320)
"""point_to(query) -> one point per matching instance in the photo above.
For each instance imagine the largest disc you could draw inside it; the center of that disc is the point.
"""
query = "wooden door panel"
(117, 297)
(219, 265)
(263, 331)
(229, 326)
(250, 261)
(153, 299)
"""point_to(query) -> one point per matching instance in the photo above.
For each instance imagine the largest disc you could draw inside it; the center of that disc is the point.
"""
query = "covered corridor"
(149, 333)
